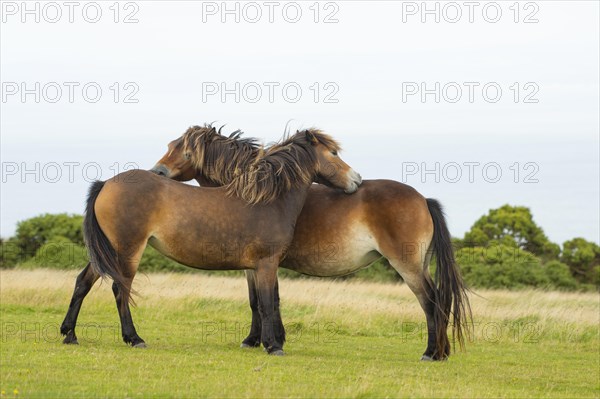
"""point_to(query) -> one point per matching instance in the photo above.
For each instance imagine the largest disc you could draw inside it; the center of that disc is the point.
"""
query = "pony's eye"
(334, 153)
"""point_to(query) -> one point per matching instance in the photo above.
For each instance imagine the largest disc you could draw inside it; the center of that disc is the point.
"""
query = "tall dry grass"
(327, 297)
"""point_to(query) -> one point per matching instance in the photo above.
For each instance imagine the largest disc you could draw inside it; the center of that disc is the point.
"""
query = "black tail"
(103, 256)
(450, 291)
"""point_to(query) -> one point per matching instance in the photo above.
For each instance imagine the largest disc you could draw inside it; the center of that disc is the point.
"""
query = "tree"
(583, 258)
(511, 226)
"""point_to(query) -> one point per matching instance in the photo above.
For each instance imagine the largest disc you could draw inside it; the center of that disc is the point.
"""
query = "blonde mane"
(280, 168)
(252, 172)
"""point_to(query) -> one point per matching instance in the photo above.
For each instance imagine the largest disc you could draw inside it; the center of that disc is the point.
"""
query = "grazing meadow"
(345, 339)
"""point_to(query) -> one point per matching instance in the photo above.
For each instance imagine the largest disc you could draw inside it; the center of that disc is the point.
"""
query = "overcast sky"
(490, 104)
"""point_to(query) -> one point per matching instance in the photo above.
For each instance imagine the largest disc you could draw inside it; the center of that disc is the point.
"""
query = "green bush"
(33, 233)
(583, 258)
(501, 266)
(503, 249)
(560, 276)
(595, 276)
(59, 253)
(10, 253)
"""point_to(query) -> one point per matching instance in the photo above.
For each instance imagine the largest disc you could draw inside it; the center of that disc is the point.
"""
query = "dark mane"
(219, 158)
(279, 168)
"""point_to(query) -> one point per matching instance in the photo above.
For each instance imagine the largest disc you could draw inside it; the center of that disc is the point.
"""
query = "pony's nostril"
(160, 173)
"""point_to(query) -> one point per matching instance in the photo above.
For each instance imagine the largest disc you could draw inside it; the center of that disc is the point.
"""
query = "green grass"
(331, 352)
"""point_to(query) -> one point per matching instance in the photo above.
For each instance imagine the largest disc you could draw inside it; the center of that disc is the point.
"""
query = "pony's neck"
(205, 182)
(293, 200)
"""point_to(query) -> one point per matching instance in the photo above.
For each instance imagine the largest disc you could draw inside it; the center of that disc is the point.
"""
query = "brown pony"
(338, 234)
(247, 224)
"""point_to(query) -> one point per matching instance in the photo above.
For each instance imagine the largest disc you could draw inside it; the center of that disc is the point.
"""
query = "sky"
(476, 104)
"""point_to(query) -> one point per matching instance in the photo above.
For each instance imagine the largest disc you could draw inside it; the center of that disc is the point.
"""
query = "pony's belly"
(213, 240)
(341, 266)
(333, 256)
(210, 255)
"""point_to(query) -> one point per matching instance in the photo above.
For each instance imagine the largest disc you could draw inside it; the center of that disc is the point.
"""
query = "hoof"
(246, 346)
(141, 345)
(68, 341)
(426, 358)
(278, 352)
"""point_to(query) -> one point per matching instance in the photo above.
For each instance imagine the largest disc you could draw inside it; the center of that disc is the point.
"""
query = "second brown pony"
(337, 234)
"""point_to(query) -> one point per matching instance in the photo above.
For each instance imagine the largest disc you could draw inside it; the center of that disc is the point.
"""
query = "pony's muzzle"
(355, 181)
(160, 170)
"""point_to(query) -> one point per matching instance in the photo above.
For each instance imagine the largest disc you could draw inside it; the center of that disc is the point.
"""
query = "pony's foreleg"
(128, 331)
(266, 278)
(83, 285)
(253, 339)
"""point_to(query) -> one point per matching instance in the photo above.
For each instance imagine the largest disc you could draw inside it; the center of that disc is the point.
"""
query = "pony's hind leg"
(419, 282)
(130, 335)
(83, 285)
(129, 257)
(278, 326)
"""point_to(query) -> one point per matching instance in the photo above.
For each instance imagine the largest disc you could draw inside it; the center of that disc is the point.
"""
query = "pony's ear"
(311, 138)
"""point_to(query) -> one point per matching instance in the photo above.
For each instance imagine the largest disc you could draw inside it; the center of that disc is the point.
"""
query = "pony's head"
(176, 164)
(331, 170)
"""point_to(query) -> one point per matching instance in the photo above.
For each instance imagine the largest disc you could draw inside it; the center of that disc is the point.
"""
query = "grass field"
(345, 339)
